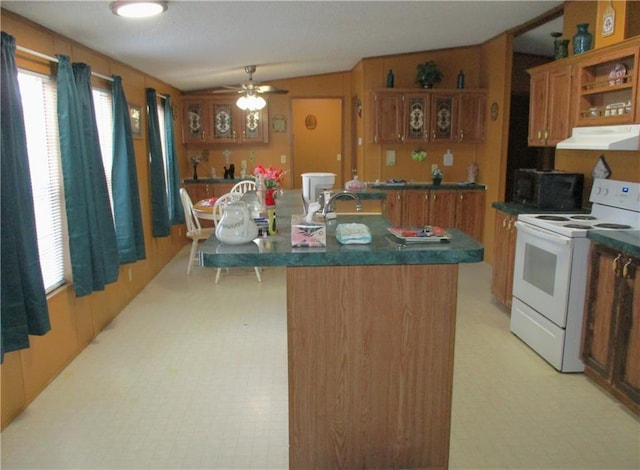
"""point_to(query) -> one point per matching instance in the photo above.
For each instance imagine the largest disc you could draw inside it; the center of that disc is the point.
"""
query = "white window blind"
(39, 104)
(103, 104)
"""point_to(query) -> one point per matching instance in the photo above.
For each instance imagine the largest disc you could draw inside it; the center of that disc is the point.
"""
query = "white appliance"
(313, 184)
(626, 137)
(550, 270)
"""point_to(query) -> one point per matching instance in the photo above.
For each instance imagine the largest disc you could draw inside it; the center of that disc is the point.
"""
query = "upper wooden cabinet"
(220, 121)
(550, 106)
(606, 89)
(404, 116)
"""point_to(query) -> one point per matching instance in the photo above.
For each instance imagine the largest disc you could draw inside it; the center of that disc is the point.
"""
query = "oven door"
(542, 270)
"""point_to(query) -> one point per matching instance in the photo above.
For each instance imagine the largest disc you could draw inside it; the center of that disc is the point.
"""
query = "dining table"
(204, 209)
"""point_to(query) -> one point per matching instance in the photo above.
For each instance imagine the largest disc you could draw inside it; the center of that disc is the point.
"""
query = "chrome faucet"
(326, 208)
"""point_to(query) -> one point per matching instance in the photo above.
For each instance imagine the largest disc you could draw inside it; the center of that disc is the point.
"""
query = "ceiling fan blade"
(268, 89)
(226, 90)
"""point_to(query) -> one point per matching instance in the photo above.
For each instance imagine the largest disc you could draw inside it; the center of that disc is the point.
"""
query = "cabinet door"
(470, 213)
(393, 207)
(444, 117)
(538, 108)
(389, 117)
(222, 188)
(223, 125)
(471, 113)
(559, 123)
(442, 208)
(503, 258)
(194, 121)
(598, 323)
(415, 207)
(626, 374)
(199, 191)
(254, 126)
(416, 117)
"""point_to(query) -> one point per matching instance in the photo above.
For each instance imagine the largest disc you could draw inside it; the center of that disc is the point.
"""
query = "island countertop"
(384, 249)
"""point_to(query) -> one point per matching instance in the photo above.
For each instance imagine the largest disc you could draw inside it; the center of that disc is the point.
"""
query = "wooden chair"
(244, 186)
(194, 231)
(218, 208)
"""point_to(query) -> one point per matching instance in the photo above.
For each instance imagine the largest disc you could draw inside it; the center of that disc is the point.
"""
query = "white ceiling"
(202, 44)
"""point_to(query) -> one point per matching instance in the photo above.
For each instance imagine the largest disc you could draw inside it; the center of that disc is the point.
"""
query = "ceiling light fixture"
(138, 9)
(251, 102)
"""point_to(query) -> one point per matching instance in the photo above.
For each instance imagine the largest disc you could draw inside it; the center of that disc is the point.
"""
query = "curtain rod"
(54, 59)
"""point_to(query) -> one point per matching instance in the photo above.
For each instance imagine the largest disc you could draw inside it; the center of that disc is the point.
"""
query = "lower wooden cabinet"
(611, 326)
(503, 257)
(461, 209)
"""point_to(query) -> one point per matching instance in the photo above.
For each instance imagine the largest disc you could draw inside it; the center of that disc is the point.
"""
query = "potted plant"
(427, 74)
(436, 176)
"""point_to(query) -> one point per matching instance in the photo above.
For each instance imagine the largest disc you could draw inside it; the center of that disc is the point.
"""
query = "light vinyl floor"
(194, 375)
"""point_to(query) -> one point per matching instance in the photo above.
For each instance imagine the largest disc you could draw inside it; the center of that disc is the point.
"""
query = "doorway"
(317, 138)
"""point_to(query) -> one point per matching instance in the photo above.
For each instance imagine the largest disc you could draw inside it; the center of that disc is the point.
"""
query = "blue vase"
(582, 39)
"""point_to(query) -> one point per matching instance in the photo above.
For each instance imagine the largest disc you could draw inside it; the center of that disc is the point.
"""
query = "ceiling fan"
(251, 99)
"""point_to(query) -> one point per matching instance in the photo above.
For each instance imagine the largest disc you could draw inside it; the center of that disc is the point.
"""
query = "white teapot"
(236, 226)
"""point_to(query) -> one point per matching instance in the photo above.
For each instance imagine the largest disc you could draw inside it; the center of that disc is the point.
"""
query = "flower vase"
(195, 171)
(269, 199)
(582, 39)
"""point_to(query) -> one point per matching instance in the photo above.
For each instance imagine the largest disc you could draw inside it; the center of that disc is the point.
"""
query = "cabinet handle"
(375, 139)
(460, 135)
(625, 269)
(504, 222)
(614, 263)
(461, 197)
(540, 135)
(433, 135)
(546, 134)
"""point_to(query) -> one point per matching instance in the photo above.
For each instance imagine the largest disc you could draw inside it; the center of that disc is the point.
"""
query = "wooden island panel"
(370, 365)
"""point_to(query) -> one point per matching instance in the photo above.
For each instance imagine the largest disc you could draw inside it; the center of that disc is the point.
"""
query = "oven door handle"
(536, 232)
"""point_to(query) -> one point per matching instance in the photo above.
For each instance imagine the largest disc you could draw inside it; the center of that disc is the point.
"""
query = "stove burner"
(555, 218)
(613, 226)
(583, 217)
(582, 226)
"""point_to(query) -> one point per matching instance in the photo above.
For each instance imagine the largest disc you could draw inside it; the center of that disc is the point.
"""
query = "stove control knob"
(606, 191)
(598, 189)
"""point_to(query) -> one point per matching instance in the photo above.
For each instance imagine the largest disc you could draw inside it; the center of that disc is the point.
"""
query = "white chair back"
(189, 217)
(244, 186)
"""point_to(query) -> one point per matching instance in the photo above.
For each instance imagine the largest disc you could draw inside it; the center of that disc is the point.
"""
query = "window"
(39, 102)
(103, 104)
(41, 126)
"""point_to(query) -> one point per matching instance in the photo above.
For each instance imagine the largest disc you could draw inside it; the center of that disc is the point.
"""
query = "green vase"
(436, 181)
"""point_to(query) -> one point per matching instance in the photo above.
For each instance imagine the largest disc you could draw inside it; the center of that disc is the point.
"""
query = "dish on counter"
(424, 234)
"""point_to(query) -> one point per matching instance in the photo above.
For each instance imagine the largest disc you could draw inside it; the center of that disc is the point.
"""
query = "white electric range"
(550, 270)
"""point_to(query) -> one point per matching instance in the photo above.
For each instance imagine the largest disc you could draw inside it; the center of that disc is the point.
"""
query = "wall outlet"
(339, 157)
(434, 166)
(283, 159)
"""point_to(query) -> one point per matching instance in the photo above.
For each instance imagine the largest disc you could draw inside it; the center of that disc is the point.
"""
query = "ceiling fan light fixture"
(138, 9)
(251, 102)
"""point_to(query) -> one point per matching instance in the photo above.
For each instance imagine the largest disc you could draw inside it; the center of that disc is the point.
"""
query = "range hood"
(624, 137)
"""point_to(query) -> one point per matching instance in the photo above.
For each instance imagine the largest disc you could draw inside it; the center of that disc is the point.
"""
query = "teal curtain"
(124, 182)
(159, 206)
(176, 213)
(24, 302)
(92, 239)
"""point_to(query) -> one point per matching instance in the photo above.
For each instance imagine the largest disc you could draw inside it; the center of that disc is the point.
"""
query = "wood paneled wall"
(75, 322)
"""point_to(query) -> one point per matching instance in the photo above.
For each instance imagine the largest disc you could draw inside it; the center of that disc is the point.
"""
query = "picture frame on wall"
(135, 115)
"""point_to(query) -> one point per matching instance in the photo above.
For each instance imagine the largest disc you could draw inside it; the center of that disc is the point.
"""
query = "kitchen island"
(371, 333)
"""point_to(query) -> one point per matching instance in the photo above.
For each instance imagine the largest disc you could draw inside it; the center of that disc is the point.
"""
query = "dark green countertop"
(384, 249)
(515, 208)
(427, 185)
(213, 180)
(627, 241)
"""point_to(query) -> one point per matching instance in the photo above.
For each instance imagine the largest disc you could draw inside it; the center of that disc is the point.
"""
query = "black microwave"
(551, 190)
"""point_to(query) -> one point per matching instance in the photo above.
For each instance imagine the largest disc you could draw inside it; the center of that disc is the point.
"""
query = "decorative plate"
(420, 234)
(617, 74)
